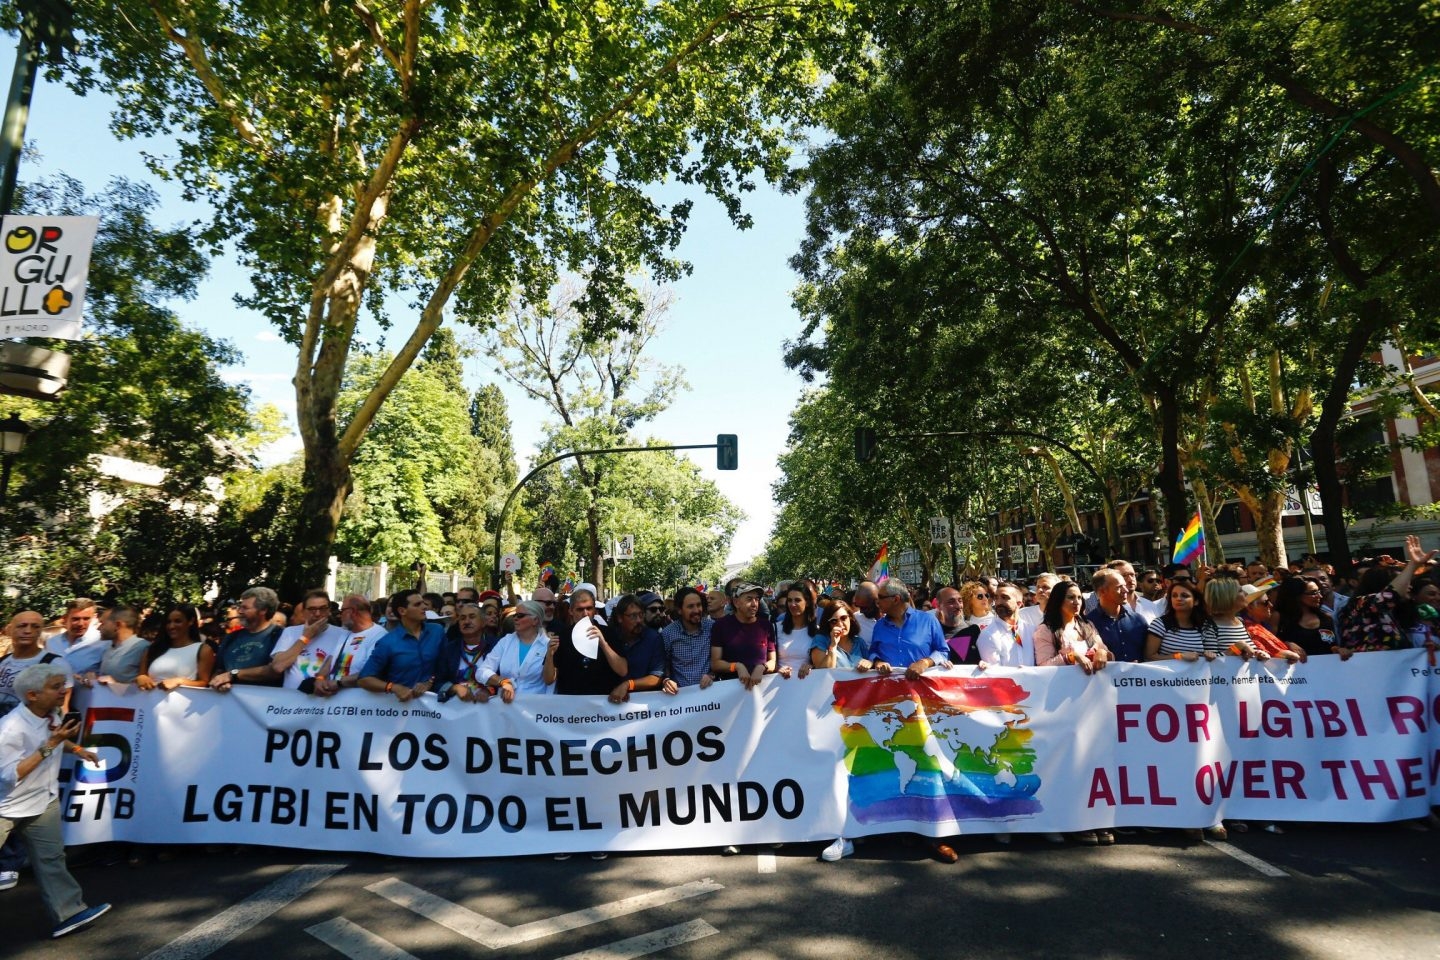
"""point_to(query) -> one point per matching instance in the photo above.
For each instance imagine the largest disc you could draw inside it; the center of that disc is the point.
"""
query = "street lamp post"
(13, 434)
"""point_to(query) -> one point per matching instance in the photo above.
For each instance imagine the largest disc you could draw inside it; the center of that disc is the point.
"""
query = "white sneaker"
(838, 850)
(8, 879)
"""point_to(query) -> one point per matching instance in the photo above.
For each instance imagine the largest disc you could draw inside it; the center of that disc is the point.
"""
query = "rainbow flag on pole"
(547, 570)
(880, 569)
(1191, 541)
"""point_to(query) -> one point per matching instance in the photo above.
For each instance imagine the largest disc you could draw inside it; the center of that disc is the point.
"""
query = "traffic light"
(865, 440)
(727, 451)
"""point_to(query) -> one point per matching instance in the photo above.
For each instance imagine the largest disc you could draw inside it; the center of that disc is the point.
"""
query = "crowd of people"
(475, 646)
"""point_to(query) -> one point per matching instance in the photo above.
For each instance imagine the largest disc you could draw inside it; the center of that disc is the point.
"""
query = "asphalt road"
(1371, 891)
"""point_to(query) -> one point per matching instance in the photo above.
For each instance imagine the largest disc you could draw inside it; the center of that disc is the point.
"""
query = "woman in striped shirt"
(1224, 632)
(1177, 634)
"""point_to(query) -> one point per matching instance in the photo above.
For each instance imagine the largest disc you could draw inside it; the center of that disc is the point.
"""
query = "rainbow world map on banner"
(958, 751)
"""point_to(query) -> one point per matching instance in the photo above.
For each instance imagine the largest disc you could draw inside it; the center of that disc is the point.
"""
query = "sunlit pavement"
(1315, 891)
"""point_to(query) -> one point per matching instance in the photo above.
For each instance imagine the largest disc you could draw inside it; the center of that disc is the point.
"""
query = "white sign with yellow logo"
(44, 262)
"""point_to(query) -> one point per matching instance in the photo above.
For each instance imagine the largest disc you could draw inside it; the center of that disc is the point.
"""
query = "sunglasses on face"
(656, 609)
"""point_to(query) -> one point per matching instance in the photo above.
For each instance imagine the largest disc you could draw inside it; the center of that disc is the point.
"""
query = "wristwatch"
(234, 676)
(45, 751)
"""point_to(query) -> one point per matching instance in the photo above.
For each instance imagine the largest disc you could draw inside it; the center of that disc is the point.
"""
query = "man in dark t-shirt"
(245, 654)
(742, 645)
(574, 673)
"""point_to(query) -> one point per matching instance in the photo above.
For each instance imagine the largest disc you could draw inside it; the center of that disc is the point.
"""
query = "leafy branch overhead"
(417, 159)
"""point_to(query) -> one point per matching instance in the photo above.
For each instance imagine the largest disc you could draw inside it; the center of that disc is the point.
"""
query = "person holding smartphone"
(33, 740)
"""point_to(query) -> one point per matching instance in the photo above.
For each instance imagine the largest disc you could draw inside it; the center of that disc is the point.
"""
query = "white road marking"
(646, 942)
(493, 934)
(1255, 863)
(202, 940)
(765, 862)
(355, 941)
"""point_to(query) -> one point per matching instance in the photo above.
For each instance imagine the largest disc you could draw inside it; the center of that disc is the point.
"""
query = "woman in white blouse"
(517, 663)
(178, 657)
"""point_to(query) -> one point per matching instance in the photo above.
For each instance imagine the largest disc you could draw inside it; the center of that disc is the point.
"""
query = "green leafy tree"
(441, 155)
(143, 388)
(423, 482)
(598, 387)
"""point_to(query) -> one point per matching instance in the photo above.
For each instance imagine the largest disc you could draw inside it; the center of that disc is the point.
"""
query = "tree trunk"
(1268, 530)
(1324, 456)
(327, 485)
(1171, 479)
(1214, 550)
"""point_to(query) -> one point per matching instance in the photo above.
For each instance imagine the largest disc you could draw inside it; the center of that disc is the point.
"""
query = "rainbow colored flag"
(547, 571)
(1191, 541)
(880, 569)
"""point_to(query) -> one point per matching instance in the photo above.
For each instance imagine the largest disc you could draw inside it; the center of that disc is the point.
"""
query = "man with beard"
(687, 644)
(1007, 641)
(640, 645)
(742, 645)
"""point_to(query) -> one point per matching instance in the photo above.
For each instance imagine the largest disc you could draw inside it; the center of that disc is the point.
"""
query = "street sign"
(625, 547)
(44, 263)
(510, 563)
(1293, 507)
(939, 530)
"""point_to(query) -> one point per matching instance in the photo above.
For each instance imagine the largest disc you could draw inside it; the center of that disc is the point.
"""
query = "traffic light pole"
(510, 500)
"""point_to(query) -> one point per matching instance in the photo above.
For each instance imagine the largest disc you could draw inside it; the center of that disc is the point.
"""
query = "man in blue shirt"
(405, 660)
(905, 636)
(1122, 629)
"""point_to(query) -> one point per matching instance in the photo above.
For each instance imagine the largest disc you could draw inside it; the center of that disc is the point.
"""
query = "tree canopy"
(412, 160)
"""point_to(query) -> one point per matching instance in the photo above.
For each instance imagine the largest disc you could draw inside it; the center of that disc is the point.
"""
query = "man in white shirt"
(1032, 615)
(308, 650)
(361, 631)
(80, 642)
(1007, 642)
(31, 738)
(867, 608)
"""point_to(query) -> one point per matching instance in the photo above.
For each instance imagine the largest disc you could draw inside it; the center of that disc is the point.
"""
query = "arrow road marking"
(205, 939)
(494, 934)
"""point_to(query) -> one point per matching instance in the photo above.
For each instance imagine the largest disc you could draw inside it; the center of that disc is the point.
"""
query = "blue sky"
(726, 329)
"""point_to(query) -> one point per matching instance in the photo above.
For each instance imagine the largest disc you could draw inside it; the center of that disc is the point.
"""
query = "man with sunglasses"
(546, 598)
(654, 606)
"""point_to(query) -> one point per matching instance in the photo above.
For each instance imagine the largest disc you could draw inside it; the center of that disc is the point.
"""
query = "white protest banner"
(1049, 749)
(44, 263)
